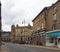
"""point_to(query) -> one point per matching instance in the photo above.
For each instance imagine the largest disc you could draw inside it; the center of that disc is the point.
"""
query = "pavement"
(29, 48)
(26, 48)
(3, 48)
(45, 47)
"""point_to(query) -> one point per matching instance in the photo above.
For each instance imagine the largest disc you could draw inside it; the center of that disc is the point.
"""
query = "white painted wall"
(49, 44)
(58, 45)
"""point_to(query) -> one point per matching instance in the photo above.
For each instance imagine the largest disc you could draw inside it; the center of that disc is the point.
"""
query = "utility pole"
(0, 23)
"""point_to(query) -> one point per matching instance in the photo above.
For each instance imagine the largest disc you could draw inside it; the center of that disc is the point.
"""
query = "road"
(23, 48)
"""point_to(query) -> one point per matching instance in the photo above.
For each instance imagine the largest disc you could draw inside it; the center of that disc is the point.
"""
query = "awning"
(53, 34)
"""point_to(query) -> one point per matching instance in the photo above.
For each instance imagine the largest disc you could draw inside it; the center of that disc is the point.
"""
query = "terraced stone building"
(20, 34)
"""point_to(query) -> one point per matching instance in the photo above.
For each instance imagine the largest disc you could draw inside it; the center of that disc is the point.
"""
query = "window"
(42, 16)
(31, 38)
(54, 9)
(54, 17)
(59, 41)
(42, 25)
(16, 30)
(38, 28)
(51, 40)
(21, 32)
(54, 26)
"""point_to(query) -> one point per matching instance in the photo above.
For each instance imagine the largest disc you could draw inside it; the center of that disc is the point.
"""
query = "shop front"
(53, 38)
(36, 38)
(58, 42)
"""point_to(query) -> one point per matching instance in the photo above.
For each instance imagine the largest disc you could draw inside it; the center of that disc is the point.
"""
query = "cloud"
(15, 11)
(6, 27)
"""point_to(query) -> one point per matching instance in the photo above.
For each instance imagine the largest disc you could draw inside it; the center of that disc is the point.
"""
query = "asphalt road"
(23, 48)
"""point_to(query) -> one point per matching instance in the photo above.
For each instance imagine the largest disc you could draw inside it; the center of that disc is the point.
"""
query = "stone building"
(53, 23)
(12, 33)
(53, 16)
(20, 34)
(5, 35)
(48, 19)
(39, 24)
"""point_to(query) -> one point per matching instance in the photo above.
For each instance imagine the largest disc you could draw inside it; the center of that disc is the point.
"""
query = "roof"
(23, 27)
(54, 4)
(5, 33)
(39, 13)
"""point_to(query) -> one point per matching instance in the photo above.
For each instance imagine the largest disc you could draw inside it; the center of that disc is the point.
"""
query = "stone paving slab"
(3, 48)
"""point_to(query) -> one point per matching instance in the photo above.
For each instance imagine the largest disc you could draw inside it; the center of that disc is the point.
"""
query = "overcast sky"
(15, 11)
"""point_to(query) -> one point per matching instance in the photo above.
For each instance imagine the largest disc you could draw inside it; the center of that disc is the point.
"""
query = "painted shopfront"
(53, 38)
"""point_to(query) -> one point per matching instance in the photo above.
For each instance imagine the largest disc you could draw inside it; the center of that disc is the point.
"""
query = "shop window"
(59, 41)
(51, 40)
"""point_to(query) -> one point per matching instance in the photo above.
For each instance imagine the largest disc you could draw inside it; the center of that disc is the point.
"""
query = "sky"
(16, 11)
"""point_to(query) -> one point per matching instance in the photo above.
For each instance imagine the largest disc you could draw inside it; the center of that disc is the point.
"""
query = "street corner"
(4, 48)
